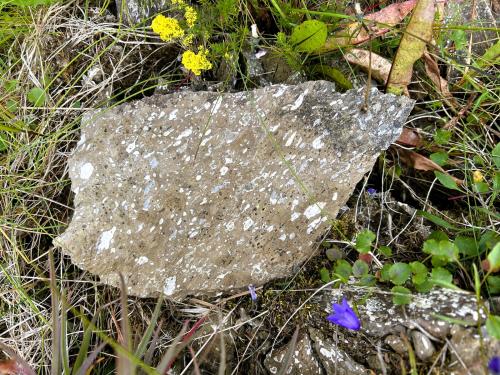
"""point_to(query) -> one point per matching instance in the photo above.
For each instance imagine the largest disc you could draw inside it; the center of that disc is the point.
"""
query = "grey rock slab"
(424, 348)
(302, 360)
(203, 192)
(380, 317)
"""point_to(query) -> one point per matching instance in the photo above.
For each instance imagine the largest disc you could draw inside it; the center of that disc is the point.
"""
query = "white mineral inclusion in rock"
(105, 239)
(86, 171)
(142, 260)
(169, 286)
(314, 209)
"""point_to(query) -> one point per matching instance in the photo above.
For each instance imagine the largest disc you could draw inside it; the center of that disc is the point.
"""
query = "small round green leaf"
(343, 269)
(309, 36)
(359, 268)
(364, 241)
(419, 272)
(401, 295)
(385, 251)
(37, 97)
(399, 273)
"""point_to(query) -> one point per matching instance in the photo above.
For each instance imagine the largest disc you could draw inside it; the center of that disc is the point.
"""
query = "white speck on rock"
(318, 143)
(247, 224)
(169, 286)
(173, 114)
(314, 210)
(141, 260)
(105, 240)
(86, 171)
(223, 170)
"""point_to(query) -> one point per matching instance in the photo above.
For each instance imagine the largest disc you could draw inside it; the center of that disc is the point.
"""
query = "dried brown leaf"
(421, 163)
(382, 21)
(409, 137)
(432, 71)
(380, 66)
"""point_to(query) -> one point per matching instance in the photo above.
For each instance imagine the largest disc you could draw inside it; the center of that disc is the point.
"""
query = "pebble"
(424, 349)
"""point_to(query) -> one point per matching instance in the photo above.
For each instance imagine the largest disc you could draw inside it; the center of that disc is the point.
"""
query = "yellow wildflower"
(168, 28)
(196, 62)
(477, 176)
(191, 16)
(178, 2)
(188, 40)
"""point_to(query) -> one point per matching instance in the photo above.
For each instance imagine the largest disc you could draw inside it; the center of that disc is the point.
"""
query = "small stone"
(424, 349)
(396, 343)
(436, 328)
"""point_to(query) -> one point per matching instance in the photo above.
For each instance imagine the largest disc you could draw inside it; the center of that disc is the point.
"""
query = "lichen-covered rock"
(380, 317)
(202, 192)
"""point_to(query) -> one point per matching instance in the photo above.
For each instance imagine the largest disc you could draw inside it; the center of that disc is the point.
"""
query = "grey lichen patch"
(200, 192)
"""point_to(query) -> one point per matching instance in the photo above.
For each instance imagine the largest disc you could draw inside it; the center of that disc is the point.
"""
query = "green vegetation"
(59, 59)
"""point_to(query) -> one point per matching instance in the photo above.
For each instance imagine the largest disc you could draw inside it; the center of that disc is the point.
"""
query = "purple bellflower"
(494, 365)
(344, 316)
(371, 192)
(253, 294)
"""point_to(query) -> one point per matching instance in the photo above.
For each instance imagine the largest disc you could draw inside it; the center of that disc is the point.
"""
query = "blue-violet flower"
(253, 294)
(344, 316)
(494, 365)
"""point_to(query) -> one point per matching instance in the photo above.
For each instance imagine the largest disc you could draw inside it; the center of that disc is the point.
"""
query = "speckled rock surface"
(302, 361)
(201, 192)
(135, 11)
(380, 317)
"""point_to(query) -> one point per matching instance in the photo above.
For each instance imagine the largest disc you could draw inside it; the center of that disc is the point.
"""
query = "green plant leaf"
(309, 36)
(364, 241)
(385, 251)
(333, 74)
(441, 275)
(401, 295)
(399, 273)
(384, 272)
(467, 245)
(493, 284)
(481, 187)
(343, 269)
(445, 251)
(424, 287)
(496, 155)
(324, 275)
(440, 158)
(419, 272)
(37, 97)
(368, 280)
(446, 180)
(442, 136)
(437, 220)
(359, 268)
(494, 258)
(493, 326)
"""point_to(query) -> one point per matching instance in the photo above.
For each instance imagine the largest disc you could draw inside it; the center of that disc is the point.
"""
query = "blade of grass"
(87, 363)
(123, 363)
(172, 352)
(141, 349)
(56, 325)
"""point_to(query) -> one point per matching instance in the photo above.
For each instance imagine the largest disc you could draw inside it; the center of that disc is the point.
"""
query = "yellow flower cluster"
(196, 62)
(477, 176)
(168, 28)
(190, 15)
